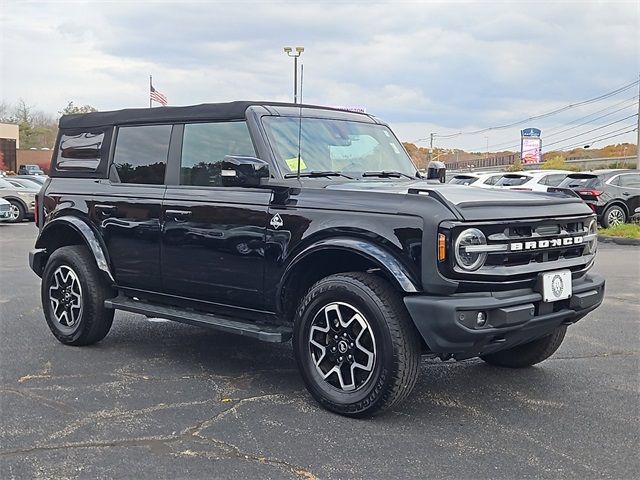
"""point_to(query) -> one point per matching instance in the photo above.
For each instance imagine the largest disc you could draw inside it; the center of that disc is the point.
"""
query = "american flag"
(158, 97)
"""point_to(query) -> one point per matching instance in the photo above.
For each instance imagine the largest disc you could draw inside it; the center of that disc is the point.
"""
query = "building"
(9, 144)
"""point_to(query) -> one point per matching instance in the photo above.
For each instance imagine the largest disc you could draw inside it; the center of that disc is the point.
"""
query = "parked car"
(23, 200)
(532, 180)
(614, 195)
(5, 210)
(279, 221)
(483, 180)
(30, 170)
(24, 183)
(39, 179)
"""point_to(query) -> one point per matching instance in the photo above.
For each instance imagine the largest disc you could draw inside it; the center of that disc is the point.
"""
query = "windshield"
(580, 181)
(512, 180)
(328, 145)
(461, 180)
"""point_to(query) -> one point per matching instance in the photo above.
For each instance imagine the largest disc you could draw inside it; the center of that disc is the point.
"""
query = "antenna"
(300, 121)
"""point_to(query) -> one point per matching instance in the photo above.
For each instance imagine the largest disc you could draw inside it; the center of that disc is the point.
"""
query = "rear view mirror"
(241, 171)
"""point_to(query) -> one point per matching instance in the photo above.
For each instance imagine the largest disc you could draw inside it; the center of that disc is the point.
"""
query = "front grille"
(521, 249)
(5, 207)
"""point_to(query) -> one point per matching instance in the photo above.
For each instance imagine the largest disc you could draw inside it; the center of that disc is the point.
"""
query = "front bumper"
(448, 323)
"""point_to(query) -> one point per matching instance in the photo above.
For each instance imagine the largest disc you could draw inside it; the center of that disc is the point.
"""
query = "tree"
(71, 109)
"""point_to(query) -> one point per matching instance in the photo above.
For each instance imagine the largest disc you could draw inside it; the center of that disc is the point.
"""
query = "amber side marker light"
(442, 251)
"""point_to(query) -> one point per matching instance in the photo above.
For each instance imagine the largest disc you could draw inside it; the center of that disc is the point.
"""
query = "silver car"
(5, 210)
(22, 200)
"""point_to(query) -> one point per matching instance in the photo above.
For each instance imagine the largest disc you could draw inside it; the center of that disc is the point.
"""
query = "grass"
(627, 230)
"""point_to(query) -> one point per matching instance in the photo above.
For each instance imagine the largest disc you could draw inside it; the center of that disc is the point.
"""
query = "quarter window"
(141, 154)
(205, 145)
(80, 152)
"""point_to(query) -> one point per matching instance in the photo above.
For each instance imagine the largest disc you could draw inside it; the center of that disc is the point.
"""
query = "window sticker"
(292, 163)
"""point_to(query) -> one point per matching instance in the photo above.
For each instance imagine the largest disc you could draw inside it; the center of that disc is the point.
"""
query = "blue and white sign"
(531, 132)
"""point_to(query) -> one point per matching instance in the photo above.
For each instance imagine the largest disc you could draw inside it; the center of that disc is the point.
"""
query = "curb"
(619, 240)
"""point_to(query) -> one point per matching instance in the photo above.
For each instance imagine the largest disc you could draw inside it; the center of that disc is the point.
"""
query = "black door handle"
(179, 215)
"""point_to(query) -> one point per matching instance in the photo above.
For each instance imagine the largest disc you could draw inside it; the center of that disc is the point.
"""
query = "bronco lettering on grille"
(547, 243)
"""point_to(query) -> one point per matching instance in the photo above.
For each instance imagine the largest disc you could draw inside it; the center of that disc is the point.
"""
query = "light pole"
(294, 53)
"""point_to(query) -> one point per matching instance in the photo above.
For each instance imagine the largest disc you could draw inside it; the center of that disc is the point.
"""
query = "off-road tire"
(617, 209)
(15, 204)
(398, 345)
(94, 320)
(528, 354)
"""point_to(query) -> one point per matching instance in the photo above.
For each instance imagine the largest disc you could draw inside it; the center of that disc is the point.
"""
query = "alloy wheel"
(342, 346)
(615, 217)
(14, 212)
(65, 296)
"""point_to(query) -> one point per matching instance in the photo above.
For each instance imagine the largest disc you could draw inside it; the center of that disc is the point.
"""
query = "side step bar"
(264, 332)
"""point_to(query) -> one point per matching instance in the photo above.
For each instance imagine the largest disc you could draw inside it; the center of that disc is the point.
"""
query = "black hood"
(478, 204)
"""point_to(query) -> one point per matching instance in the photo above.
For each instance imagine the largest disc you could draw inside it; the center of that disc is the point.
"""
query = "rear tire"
(528, 354)
(73, 294)
(614, 215)
(17, 212)
(355, 344)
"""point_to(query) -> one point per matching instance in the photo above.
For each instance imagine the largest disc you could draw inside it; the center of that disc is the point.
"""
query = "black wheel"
(614, 215)
(355, 344)
(17, 212)
(529, 353)
(73, 294)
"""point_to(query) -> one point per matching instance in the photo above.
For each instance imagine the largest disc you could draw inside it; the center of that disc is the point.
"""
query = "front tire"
(16, 212)
(73, 294)
(530, 353)
(355, 344)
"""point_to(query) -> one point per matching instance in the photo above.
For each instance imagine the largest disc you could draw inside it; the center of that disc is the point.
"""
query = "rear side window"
(492, 180)
(631, 180)
(205, 145)
(141, 154)
(553, 180)
(82, 153)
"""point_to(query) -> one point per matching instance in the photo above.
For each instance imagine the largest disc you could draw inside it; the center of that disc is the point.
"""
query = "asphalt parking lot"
(165, 400)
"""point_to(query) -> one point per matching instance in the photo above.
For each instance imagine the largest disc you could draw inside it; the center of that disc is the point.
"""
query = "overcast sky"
(422, 66)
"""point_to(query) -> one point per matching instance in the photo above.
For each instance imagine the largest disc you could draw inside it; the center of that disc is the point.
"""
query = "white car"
(532, 180)
(5, 210)
(482, 180)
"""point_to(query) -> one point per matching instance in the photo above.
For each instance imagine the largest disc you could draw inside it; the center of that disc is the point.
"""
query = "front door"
(213, 236)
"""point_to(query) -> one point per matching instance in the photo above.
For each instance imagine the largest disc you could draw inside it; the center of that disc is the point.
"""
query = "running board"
(264, 332)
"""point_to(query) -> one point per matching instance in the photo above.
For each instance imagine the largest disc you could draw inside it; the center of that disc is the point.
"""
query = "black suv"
(277, 220)
(614, 195)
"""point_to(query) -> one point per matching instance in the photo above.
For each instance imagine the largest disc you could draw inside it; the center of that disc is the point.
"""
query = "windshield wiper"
(318, 173)
(387, 174)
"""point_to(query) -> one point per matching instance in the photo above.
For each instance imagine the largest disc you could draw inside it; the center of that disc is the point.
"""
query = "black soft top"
(203, 112)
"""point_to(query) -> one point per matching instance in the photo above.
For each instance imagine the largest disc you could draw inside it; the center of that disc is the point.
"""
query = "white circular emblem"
(557, 285)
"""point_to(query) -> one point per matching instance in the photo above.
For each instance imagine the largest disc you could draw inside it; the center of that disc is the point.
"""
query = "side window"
(492, 180)
(83, 151)
(141, 154)
(205, 145)
(553, 180)
(631, 180)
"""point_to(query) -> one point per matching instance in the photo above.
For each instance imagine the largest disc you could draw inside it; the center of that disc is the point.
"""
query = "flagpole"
(150, 86)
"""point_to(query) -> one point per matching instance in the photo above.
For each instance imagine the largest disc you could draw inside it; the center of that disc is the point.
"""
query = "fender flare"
(377, 255)
(89, 236)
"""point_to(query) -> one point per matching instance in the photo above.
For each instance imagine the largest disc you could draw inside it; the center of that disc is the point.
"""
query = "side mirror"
(240, 171)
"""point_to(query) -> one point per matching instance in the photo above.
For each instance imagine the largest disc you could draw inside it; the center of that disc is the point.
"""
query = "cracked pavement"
(165, 400)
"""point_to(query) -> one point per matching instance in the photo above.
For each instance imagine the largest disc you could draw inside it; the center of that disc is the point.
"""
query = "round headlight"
(592, 245)
(466, 257)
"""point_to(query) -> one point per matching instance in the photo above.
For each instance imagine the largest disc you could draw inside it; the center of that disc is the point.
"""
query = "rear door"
(127, 210)
(213, 236)
(629, 185)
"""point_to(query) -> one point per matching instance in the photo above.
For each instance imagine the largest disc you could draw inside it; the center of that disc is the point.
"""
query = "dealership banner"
(530, 146)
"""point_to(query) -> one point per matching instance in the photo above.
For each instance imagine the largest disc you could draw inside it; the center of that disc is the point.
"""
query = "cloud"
(440, 66)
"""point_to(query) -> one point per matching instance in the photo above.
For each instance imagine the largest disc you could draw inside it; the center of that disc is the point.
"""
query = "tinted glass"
(205, 145)
(581, 181)
(492, 180)
(630, 180)
(141, 153)
(553, 180)
(461, 180)
(82, 151)
(512, 181)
